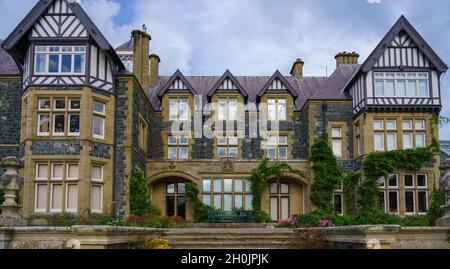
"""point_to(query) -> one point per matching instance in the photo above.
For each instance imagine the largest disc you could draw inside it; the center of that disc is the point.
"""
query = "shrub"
(139, 197)
(262, 217)
(62, 220)
(436, 210)
(414, 221)
(311, 239)
(150, 221)
(311, 220)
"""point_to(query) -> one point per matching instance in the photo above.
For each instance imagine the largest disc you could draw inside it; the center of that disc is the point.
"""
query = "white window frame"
(39, 133)
(37, 172)
(397, 181)
(39, 104)
(52, 210)
(52, 178)
(101, 115)
(40, 210)
(54, 123)
(70, 104)
(68, 125)
(66, 208)
(407, 78)
(427, 202)
(414, 202)
(67, 172)
(98, 180)
(383, 147)
(60, 52)
(413, 181)
(417, 181)
(101, 198)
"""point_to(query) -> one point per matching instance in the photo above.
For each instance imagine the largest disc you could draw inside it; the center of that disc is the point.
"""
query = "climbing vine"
(350, 183)
(260, 176)
(327, 175)
(380, 164)
(199, 208)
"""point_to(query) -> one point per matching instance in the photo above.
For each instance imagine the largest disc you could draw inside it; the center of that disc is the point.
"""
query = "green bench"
(219, 216)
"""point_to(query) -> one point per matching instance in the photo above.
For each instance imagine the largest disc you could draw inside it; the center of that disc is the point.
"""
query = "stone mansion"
(85, 117)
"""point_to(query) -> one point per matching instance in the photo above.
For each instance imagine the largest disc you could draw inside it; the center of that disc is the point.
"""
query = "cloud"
(257, 37)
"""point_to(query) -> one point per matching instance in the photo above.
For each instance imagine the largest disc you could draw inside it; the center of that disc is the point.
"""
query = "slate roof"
(8, 66)
(126, 46)
(445, 147)
(308, 88)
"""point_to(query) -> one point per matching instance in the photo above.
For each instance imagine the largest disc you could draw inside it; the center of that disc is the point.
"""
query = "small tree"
(139, 197)
(350, 186)
(436, 210)
(327, 175)
(200, 209)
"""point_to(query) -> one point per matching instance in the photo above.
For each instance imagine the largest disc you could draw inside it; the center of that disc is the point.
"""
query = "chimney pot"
(343, 58)
(154, 69)
(297, 68)
(140, 57)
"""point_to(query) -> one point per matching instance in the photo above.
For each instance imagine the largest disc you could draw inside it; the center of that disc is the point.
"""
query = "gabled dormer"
(401, 73)
(227, 84)
(277, 98)
(57, 44)
(277, 84)
(177, 98)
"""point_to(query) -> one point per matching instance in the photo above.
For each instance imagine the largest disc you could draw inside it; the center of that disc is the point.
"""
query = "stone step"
(232, 245)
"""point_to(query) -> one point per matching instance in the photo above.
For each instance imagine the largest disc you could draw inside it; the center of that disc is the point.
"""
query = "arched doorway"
(168, 193)
(286, 197)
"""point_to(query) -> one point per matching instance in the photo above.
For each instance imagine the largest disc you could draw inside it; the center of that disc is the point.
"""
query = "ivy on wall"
(199, 208)
(327, 175)
(261, 175)
(380, 164)
(350, 187)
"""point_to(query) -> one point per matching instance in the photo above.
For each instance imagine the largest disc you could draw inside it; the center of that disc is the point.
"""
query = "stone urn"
(10, 183)
(445, 187)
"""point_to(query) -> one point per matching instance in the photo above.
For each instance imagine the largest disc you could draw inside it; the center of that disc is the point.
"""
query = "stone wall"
(75, 237)
(386, 237)
(56, 147)
(119, 150)
(10, 117)
(329, 112)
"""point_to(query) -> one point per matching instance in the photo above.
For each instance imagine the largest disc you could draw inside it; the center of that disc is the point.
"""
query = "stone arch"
(171, 174)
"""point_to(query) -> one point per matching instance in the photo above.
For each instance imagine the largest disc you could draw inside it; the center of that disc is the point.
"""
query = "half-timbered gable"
(58, 45)
(177, 84)
(227, 84)
(401, 73)
(277, 84)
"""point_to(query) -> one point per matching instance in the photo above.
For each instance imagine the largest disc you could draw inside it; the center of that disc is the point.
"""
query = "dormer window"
(227, 109)
(276, 109)
(60, 60)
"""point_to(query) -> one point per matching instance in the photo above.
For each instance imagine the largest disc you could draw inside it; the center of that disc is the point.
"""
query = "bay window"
(60, 60)
(56, 187)
(56, 118)
(401, 84)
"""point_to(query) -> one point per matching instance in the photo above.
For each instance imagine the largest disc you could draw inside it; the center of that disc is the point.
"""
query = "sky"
(257, 37)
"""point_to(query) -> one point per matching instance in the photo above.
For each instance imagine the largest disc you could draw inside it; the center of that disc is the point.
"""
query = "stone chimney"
(154, 69)
(297, 68)
(343, 58)
(140, 56)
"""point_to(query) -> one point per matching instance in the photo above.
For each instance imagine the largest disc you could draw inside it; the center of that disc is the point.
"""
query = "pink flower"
(326, 223)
